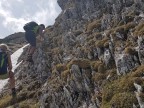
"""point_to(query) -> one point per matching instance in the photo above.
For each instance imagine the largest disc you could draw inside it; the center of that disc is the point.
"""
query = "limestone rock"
(125, 63)
(141, 49)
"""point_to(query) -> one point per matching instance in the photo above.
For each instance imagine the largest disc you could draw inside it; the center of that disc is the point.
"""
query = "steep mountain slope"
(92, 57)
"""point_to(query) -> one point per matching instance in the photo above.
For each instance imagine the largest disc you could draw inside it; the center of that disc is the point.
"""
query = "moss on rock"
(123, 100)
(82, 63)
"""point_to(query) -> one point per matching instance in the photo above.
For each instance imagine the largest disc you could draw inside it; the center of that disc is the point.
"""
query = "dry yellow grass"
(65, 74)
(129, 25)
(57, 50)
(102, 68)
(123, 100)
(121, 91)
(139, 30)
(93, 24)
(130, 50)
(5, 101)
(95, 65)
(97, 35)
(61, 67)
(82, 63)
(98, 77)
(101, 43)
(29, 104)
(91, 42)
(138, 72)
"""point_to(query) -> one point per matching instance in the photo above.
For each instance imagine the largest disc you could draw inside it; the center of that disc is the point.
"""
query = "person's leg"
(31, 38)
(12, 80)
(32, 50)
(12, 83)
(30, 54)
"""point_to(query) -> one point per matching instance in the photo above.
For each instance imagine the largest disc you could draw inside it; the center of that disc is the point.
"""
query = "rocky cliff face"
(92, 57)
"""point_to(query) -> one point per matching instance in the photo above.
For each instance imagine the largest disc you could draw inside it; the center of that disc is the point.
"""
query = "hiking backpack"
(30, 26)
(3, 63)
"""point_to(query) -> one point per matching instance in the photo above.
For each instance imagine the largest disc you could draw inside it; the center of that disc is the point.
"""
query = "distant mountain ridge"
(14, 41)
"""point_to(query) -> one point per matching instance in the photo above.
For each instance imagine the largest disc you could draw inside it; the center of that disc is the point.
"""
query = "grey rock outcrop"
(125, 63)
(138, 93)
(141, 49)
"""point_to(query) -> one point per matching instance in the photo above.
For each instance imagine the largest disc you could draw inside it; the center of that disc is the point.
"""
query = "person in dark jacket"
(32, 30)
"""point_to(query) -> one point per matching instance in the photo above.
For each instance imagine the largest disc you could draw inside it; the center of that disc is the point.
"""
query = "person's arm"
(9, 62)
(41, 32)
(10, 66)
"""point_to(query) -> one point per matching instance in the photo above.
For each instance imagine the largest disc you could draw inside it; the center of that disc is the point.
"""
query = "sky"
(15, 13)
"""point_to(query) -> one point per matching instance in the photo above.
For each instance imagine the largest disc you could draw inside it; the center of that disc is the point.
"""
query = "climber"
(32, 30)
(6, 67)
